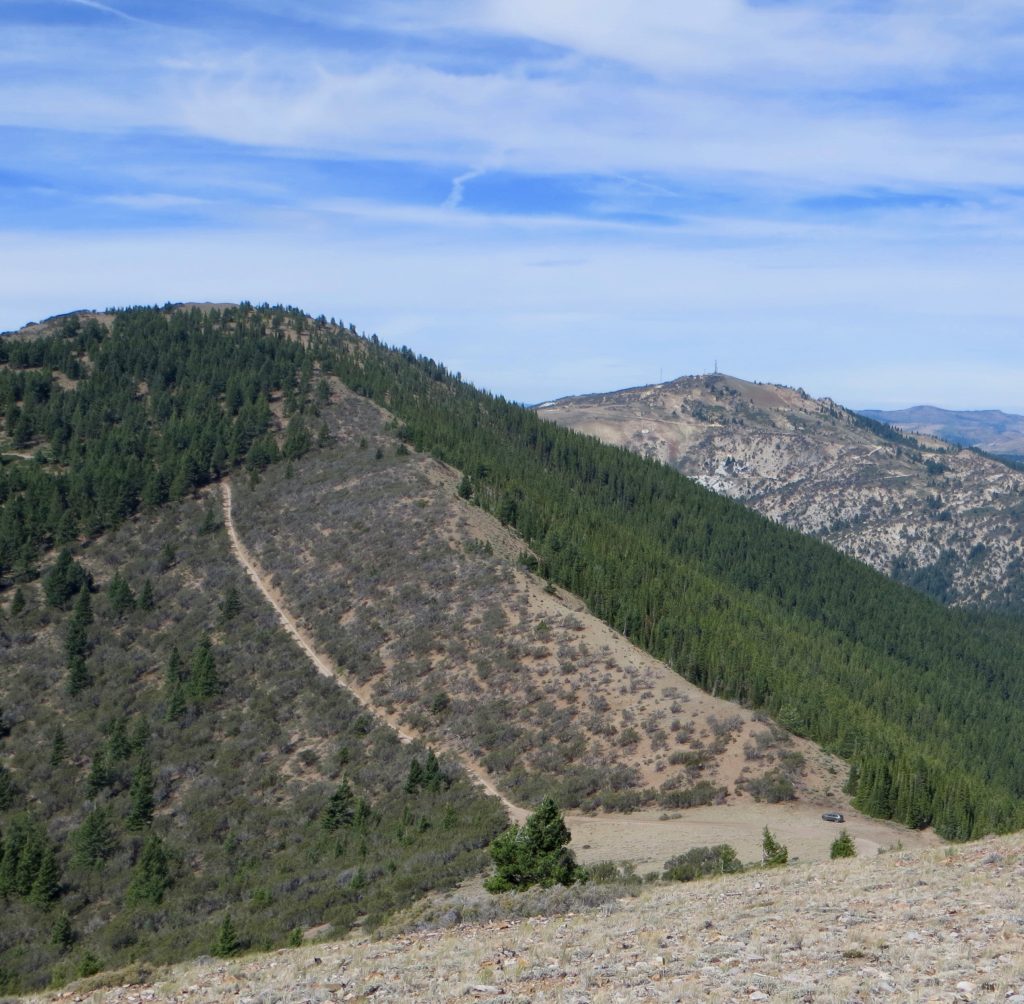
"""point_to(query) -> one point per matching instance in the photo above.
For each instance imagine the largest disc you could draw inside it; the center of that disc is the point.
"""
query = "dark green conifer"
(146, 599)
(120, 595)
(63, 935)
(46, 884)
(227, 943)
(93, 842)
(58, 747)
(140, 812)
(151, 876)
(339, 810)
(203, 681)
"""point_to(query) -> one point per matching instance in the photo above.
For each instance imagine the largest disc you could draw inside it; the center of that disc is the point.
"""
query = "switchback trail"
(327, 668)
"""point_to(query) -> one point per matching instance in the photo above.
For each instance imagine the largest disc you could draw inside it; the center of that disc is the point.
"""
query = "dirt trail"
(646, 838)
(325, 667)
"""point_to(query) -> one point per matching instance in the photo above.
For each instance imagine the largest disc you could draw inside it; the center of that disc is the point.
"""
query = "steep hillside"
(992, 431)
(946, 520)
(421, 598)
(925, 926)
(451, 555)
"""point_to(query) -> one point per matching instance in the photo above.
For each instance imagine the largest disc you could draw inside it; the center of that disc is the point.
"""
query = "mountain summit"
(926, 511)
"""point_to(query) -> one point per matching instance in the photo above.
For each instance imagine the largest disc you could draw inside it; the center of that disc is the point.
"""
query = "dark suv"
(833, 817)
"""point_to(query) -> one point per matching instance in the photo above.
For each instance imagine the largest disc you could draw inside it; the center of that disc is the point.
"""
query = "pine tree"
(534, 854)
(146, 600)
(843, 847)
(93, 842)
(339, 810)
(772, 852)
(415, 778)
(46, 884)
(63, 935)
(140, 813)
(118, 746)
(231, 606)
(18, 602)
(151, 876)
(8, 789)
(227, 943)
(99, 773)
(58, 747)
(120, 594)
(78, 676)
(203, 682)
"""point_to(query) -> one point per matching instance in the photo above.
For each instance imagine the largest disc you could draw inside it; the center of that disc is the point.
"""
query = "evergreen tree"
(8, 789)
(46, 884)
(534, 854)
(151, 876)
(99, 773)
(29, 860)
(140, 813)
(203, 682)
(78, 676)
(58, 747)
(843, 847)
(93, 842)
(231, 605)
(146, 600)
(772, 852)
(120, 594)
(63, 935)
(415, 780)
(17, 602)
(118, 746)
(339, 810)
(64, 580)
(227, 943)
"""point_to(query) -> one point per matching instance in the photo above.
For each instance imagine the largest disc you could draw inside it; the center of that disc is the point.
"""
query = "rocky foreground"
(937, 925)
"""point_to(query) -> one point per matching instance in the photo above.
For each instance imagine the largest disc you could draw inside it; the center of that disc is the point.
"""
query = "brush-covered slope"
(424, 602)
(943, 519)
(991, 430)
(168, 757)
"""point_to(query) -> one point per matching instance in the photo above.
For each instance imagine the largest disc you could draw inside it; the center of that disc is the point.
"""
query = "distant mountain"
(992, 431)
(935, 516)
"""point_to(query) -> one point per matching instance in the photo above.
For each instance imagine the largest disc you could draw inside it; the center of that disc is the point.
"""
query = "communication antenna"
(716, 367)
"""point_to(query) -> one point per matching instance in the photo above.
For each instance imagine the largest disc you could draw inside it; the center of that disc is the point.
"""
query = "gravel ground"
(933, 925)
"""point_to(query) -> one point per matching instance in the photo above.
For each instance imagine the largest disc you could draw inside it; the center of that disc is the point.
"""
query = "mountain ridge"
(997, 432)
(932, 514)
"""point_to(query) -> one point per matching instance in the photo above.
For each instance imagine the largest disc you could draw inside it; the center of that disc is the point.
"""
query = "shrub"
(771, 787)
(700, 861)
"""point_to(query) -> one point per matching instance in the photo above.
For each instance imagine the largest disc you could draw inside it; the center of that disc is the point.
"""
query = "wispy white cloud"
(787, 184)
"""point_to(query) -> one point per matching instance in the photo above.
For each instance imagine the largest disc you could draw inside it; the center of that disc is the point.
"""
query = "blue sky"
(551, 198)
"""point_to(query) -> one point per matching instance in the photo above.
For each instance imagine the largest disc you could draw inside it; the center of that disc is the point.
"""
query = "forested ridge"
(921, 698)
(175, 780)
(103, 425)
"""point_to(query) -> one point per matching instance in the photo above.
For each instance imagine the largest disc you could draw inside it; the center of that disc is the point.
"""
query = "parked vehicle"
(833, 817)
